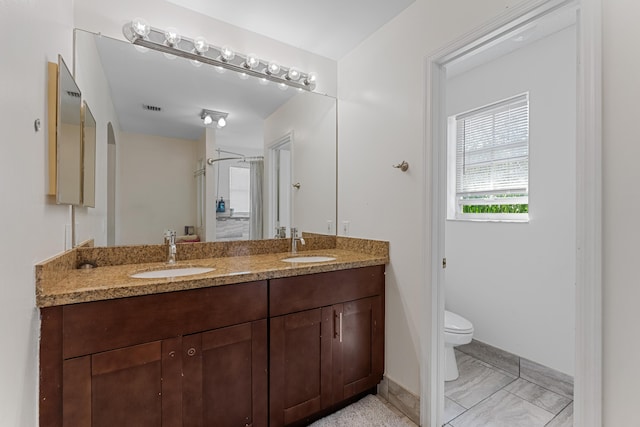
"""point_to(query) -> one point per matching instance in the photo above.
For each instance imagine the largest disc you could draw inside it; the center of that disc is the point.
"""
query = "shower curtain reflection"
(256, 173)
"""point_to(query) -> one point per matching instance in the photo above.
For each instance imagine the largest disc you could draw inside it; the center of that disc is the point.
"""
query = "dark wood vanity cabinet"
(326, 343)
(188, 358)
(199, 358)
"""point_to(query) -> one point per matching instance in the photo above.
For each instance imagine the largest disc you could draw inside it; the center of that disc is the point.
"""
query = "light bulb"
(311, 79)
(222, 122)
(252, 61)
(273, 68)
(172, 37)
(293, 75)
(200, 45)
(227, 54)
(140, 27)
(207, 119)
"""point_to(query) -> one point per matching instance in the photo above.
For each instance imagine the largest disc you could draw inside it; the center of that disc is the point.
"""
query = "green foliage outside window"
(481, 209)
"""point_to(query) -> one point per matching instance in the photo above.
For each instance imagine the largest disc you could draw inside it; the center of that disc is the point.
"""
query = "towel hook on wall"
(404, 166)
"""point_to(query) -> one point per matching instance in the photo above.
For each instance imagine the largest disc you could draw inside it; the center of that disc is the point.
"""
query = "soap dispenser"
(221, 207)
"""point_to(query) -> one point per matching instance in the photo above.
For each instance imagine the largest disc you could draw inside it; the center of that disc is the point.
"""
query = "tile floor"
(395, 410)
(486, 396)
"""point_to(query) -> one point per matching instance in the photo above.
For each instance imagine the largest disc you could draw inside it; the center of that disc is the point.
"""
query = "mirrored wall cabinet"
(72, 135)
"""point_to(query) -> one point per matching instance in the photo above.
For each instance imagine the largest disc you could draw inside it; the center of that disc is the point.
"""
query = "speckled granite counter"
(59, 281)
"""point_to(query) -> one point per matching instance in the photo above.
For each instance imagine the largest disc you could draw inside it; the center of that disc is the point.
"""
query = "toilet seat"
(455, 324)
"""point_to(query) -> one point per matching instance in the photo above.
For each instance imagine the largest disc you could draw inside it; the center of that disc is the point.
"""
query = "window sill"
(507, 220)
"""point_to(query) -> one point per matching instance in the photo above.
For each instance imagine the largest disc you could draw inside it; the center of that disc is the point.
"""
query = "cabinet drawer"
(292, 294)
(104, 325)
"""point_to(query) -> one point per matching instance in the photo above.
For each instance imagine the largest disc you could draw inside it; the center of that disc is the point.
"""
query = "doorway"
(588, 339)
(111, 186)
(280, 155)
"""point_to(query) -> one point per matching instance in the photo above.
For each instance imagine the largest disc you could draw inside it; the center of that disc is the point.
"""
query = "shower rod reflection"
(211, 161)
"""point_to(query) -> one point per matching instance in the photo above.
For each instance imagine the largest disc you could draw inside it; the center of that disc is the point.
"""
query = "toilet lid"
(456, 324)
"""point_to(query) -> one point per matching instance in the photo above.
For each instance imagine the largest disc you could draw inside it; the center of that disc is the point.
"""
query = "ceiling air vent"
(151, 108)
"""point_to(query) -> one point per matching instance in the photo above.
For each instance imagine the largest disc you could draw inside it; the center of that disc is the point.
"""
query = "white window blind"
(492, 152)
(239, 189)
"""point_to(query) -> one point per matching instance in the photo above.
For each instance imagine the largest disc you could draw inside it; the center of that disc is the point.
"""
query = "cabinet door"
(115, 388)
(225, 377)
(300, 365)
(358, 348)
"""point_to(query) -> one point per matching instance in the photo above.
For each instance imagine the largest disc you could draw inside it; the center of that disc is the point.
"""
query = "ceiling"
(330, 28)
(181, 90)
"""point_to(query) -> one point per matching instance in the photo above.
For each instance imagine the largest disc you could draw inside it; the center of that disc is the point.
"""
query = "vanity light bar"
(168, 41)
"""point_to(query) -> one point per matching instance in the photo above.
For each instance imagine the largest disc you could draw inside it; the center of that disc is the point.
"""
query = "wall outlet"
(345, 228)
(329, 226)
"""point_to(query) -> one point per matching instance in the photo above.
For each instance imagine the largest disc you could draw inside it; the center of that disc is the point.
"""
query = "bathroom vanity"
(272, 343)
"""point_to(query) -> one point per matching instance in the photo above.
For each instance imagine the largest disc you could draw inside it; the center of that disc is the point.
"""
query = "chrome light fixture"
(199, 51)
(210, 116)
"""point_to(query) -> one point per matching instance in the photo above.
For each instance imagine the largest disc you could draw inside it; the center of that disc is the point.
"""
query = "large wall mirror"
(209, 183)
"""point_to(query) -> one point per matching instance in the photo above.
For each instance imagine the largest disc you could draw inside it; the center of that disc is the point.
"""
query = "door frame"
(273, 182)
(588, 295)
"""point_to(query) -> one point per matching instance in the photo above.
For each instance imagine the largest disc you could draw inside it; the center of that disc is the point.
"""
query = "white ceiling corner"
(329, 28)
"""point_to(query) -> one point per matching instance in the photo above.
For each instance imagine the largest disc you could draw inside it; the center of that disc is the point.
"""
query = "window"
(492, 161)
(239, 190)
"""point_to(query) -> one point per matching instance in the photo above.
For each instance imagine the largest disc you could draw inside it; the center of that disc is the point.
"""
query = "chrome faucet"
(170, 238)
(294, 240)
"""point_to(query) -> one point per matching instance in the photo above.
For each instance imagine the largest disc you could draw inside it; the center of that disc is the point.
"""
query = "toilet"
(457, 331)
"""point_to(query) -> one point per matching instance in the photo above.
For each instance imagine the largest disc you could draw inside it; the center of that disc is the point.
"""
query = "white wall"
(381, 115)
(33, 227)
(93, 15)
(515, 282)
(621, 232)
(311, 119)
(156, 188)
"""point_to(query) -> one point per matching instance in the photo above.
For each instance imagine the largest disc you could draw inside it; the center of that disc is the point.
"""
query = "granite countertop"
(113, 281)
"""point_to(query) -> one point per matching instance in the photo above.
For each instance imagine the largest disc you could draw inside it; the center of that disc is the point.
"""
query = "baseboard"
(405, 401)
(536, 373)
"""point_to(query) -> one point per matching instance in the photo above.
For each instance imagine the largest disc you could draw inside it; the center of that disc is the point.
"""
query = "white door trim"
(588, 337)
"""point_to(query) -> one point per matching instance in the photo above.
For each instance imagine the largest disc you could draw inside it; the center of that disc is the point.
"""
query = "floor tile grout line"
(486, 398)
(536, 405)
(502, 371)
(558, 414)
(514, 379)
(494, 367)
(546, 389)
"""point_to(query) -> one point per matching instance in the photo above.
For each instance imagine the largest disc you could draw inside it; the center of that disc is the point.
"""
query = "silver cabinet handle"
(340, 326)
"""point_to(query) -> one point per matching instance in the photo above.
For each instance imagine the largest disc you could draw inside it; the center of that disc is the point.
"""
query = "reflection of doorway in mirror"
(111, 186)
(279, 191)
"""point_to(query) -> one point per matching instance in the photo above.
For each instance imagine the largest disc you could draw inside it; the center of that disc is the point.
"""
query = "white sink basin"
(310, 258)
(171, 272)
